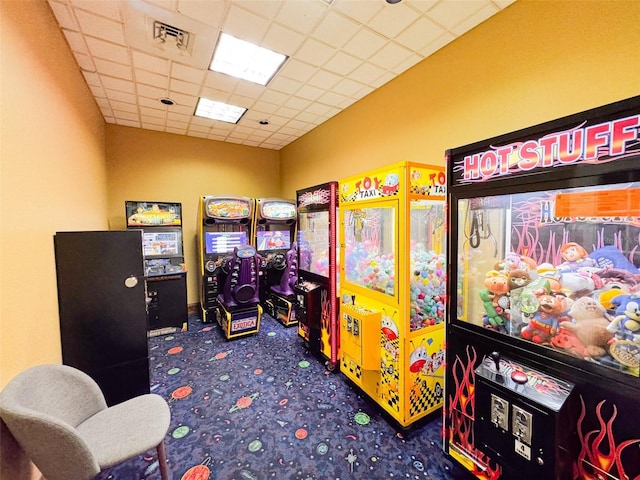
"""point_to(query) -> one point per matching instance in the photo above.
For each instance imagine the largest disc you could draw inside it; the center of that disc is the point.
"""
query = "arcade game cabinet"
(275, 230)
(392, 279)
(317, 288)
(543, 333)
(164, 267)
(229, 265)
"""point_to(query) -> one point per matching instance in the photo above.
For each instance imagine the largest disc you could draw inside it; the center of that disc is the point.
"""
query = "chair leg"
(162, 461)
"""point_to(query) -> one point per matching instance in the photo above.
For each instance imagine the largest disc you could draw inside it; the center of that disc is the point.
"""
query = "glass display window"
(370, 248)
(559, 268)
(427, 264)
(313, 242)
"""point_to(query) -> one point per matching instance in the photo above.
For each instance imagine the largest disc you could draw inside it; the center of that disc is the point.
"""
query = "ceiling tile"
(64, 15)
(324, 79)
(335, 30)
(282, 40)
(338, 53)
(342, 63)
(420, 34)
(113, 69)
(364, 44)
(110, 51)
(150, 63)
(245, 25)
(106, 9)
(314, 52)
(117, 84)
(359, 10)
(302, 16)
(100, 27)
(393, 20)
(76, 41)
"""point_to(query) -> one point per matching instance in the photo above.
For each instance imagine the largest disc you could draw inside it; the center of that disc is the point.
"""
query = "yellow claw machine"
(392, 287)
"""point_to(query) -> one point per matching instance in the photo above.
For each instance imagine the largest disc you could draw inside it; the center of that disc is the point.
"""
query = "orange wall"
(533, 62)
(153, 166)
(53, 177)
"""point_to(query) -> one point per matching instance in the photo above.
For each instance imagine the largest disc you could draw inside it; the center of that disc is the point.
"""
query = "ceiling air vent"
(167, 33)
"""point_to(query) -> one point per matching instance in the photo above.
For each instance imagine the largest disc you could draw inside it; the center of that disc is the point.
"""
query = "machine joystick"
(495, 356)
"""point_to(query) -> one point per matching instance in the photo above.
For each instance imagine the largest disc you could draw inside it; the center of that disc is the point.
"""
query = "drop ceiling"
(338, 52)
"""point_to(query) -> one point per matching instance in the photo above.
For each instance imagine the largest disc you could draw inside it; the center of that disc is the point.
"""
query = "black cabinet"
(103, 314)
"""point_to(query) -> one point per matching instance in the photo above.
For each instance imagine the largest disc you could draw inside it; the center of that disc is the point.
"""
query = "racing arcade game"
(164, 267)
(317, 287)
(275, 229)
(229, 265)
(543, 334)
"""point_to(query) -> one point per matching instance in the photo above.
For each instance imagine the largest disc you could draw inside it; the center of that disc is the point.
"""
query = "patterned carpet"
(263, 407)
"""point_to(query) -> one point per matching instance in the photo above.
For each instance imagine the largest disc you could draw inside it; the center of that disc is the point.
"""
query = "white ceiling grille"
(163, 33)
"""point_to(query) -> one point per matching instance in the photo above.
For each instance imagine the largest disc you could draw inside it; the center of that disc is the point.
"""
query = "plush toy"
(551, 274)
(492, 319)
(513, 261)
(569, 343)
(627, 325)
(518, 278)
(575, 257)
(589, 325)
(545, 323)
(528, 300)
(580, 283)
(497, 284)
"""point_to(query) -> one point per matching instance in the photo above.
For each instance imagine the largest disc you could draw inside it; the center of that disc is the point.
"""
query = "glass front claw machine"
(392, 280)
(317, 287)
(543, 331)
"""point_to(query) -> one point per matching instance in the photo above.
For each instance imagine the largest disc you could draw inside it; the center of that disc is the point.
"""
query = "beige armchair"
(59, 417)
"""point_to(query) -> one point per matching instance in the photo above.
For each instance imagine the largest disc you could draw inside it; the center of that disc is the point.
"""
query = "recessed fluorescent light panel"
(219, 111)
(245, 60)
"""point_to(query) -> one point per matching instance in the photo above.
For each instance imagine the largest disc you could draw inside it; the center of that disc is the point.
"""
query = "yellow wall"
(153, 166)
(53, 177)
(533, 62)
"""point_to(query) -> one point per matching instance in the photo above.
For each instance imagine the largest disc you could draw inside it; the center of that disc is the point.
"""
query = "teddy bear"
(551, 311)
(590, 325)
(518, 278)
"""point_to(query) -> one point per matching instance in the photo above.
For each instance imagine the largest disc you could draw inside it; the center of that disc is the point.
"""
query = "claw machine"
(317, 287)
(392, 287)
(543, 331)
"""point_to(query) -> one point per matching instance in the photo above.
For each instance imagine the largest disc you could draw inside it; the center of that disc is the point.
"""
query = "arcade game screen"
(273, 240)
(558, 268)
(223, 242)
(161, 244)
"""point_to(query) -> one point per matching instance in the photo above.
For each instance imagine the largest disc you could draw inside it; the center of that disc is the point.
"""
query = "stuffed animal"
(568, 342)
(575, 257)
(545, 323)
(492, 319)
(589, 325)
(627, 325)
(497, 284)
(518, 278)
(513, 261)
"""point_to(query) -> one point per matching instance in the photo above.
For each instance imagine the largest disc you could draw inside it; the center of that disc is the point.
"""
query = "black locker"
(103, 315)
